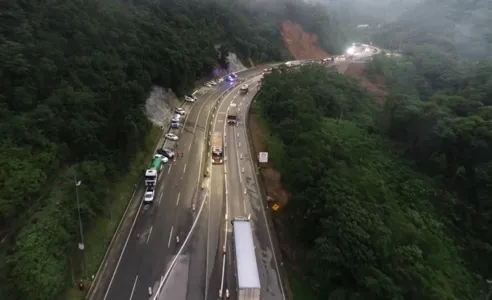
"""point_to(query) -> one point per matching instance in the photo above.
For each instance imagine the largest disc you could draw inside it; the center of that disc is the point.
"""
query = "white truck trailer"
(232, 114)
(247, 276)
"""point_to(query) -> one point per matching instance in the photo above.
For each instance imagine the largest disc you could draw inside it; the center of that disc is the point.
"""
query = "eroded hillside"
(301, 44)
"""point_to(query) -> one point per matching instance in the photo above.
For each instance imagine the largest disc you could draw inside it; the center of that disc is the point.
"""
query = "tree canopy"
(75, 75)
(390, 201)
(459, 27)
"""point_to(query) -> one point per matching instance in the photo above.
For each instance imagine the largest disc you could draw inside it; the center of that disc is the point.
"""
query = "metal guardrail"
(208, 151)
(284, 281)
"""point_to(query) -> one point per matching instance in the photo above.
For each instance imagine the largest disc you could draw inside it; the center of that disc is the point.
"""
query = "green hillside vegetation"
(312, 16)
(390, 202)
(463, 28)
(450, 137)
(75, 75)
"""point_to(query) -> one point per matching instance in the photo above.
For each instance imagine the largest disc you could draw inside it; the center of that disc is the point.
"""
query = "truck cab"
(244, 89)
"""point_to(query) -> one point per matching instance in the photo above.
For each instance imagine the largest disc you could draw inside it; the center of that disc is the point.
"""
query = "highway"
(229, 185)
(152, 240)
(206, 252)
(145, 252)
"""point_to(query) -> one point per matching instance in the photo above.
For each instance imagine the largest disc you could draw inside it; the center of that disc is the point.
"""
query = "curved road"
(243, 198)
(138, 260)
(147, 244)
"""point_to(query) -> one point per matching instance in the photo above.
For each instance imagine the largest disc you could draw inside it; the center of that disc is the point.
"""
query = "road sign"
(275, 207)
(263, 157)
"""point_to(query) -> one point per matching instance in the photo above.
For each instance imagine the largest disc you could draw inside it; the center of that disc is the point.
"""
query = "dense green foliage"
(459, 27)
(450, 137)
(74, 76)
(313, 17)
(389, 201)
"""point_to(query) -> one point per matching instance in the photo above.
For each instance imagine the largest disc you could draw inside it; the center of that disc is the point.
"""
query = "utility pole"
(81, 230)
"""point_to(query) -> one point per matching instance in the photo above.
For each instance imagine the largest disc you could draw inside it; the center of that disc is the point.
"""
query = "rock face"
(235, 65)
(160, 104)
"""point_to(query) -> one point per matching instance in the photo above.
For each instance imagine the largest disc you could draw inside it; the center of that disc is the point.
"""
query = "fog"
(463, 27)
(458, 26)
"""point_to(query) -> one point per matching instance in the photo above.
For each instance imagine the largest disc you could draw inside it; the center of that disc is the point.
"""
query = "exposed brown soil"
(271, 178)
(377, 88)
(304, 45)
(270, 181)
(301, 45)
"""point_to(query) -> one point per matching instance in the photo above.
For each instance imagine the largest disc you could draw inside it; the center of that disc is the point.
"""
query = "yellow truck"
(217, 148)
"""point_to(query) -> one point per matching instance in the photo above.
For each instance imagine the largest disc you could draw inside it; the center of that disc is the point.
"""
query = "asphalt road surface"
(205, 266)
(146, 252)
(203, 250)
(152, 241)
(235, 202)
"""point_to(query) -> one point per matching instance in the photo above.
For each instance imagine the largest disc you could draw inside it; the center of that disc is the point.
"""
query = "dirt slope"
(301, 44)
(356, 70)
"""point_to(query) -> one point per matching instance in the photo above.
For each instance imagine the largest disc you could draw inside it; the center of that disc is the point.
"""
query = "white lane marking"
(177, 200)
(184, 169)
(160, 197)
(133, 289)
(150, 232)
(170, 236)
(268, 230)
(123, 251)
(200, 111)
(186, 119)
(173, 262)
(227, 211)
(238, 163)
(214, 124)
(169, 171)
(189, 147)
(244, 204)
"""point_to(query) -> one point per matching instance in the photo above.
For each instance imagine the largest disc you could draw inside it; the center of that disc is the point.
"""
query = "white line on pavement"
(123, 251)
(150, 232)
(133, 289)
(177, 200)
(170, 236)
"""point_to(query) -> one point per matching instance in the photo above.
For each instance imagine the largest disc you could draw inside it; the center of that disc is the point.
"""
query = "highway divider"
(285, 286)
(206, 151)
(95, 281)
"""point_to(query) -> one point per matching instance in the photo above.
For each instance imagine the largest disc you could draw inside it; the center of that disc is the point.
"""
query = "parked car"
(166, 152)
(171, 136)
(179, 110)
(190, 98)
(149, 194)
(176, 118)
(163, 158)
(175, 125)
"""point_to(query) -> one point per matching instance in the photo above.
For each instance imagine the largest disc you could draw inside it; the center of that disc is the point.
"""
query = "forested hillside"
(448, 105)
(389, 202)
(75, 75)
(457, 27)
